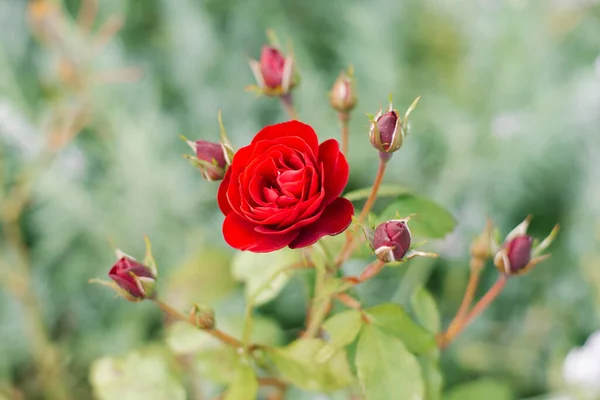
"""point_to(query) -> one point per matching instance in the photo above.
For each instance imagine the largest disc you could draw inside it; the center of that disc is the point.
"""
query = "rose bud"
(274, 73)
(272, 63)
(136, 279)
(391, 240)
(388, 130)
(202, 316)
(483, 245)
(342, 95)
(519, 253)
(213, 155)
(211, 158)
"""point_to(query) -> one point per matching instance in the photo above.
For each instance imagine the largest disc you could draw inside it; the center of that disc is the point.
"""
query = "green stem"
(216, 333)
(351, 241)
(344, 118)
(319, 306)
(288, 104)
(319, 311)
(481, 305)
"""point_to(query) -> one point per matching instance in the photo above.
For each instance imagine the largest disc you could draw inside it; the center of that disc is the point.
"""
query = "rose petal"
(335, 219)
(241, 235)
(336, 169)
(288, 146)
(237, 167)
(271, 230)
(265, 171)
(222, 194)
(271, 66)
(290, 128)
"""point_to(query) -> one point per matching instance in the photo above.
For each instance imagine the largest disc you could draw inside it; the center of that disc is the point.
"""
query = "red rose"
(283, 190)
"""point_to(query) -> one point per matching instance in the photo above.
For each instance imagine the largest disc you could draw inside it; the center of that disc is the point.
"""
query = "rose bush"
(283, 190)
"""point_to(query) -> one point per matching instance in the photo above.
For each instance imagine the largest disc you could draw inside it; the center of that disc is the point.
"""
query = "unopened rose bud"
(272, 63)
(274, 72)
(518, 252)
(202, 316)
(213, 156)
(388, 130)
(134, 278)
(342, 95)
(391, 240)
(386, 133)
(387, 126)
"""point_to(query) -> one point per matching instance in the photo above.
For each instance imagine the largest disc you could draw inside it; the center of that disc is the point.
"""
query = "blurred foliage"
(509, 124)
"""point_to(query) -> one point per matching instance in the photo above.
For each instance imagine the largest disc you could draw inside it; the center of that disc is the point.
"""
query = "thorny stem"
(446, 338)
(319, 311)
(372, 270)
(373, 196)
(288, 104)
(272, 382)
(216, 333)
(344, 117)
(476, 267)
(348, 301)
(350, 243)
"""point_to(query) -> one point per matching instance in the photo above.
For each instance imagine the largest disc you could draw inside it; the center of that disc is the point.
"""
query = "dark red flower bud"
(387, 125)
(214, 157)
(272, 64)
(391, 240)
(518, 252)
(133, 277)
(387, 133)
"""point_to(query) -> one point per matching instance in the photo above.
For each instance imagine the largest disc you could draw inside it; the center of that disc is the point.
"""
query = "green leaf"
(244, 385)
(425, 309)
(432, 377)
(487, 389)
(298, 364)
(343, 327)
(385, 367)
(203, 277)
(219, 364)
(394, 320)
(136, 376)
(384, 191)
(430, 220)
(264, 273)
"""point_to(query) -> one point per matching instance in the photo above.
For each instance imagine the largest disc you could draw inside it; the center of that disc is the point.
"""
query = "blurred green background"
(508, 124)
